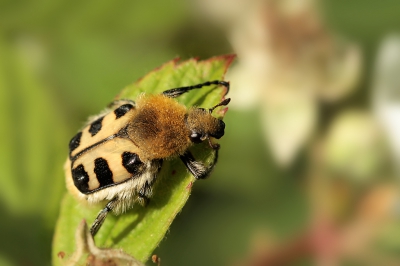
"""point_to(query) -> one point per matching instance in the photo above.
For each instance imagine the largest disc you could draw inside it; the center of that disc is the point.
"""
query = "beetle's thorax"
(158, 127)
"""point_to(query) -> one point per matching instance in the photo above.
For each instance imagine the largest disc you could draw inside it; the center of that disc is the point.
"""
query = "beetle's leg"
(173, 93)
(198, 169)
(144, 194)
(102, 216)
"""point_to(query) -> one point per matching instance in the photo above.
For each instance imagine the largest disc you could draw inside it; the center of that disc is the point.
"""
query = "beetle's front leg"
(197, 168)
(102, 216)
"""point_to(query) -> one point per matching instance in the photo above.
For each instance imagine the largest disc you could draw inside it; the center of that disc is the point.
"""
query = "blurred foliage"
(61, 61)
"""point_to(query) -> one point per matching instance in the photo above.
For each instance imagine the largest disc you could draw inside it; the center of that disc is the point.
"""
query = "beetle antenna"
(223, 103)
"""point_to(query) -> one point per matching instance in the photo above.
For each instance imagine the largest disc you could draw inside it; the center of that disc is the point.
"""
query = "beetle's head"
(203, 125)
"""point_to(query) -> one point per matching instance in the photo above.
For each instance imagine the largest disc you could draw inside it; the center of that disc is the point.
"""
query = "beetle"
(119, 153)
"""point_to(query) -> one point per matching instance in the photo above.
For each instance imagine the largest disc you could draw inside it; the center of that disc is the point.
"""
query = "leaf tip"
(228, 58)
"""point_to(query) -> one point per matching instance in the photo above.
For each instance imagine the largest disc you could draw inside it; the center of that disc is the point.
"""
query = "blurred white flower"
(386, 92)
(289, 118)
(287, 62)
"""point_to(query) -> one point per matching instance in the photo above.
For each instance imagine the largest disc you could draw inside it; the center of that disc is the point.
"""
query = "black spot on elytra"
(131, 162)
(122, 110)
(103, 172)
(81, 178)
(75, 141)
(95, 126)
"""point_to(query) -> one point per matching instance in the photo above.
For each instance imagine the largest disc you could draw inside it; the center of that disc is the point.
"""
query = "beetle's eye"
(195, 137)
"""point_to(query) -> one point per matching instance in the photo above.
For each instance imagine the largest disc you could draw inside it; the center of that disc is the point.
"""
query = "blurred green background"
(61, 61)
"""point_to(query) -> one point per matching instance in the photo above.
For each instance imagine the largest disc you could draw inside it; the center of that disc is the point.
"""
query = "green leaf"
(139, 231)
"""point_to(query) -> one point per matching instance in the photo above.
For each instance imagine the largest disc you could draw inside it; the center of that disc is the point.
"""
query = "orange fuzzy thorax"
(159, 128)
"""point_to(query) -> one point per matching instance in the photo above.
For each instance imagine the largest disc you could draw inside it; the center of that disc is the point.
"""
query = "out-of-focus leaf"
(33, 127)
(30, 160)
(140, 230)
